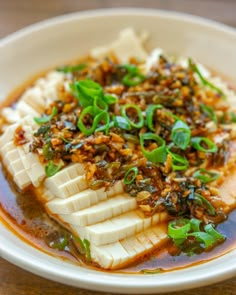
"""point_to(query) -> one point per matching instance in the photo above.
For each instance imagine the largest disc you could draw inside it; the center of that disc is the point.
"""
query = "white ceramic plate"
(58, 40)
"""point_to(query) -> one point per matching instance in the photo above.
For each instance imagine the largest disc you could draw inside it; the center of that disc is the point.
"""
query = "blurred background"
(15, 14)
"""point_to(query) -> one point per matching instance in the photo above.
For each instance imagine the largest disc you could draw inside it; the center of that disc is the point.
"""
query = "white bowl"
(61, 39)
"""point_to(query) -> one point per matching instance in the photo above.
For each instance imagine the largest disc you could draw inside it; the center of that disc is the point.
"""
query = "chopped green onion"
(150, 113)
(203, 237)
(201, 200)
(195, 224)
(133, 69)
(178, 162)
(122, 123)
(47, 151)
(96, 119)
(130, 175)
(133, 79)
(204, 81)
(99, 105)
(138, 111)
(86, 91)
(110, 99)
(46, 119)
(205, 176)
(214, 233)
(52, 169)
(158, 155)
(181, 134)
(178, 228)
(72, 69)
(209, 111)
(198, 141)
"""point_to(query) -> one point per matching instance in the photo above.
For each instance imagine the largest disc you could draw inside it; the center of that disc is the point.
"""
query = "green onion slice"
(178, 229)
(133, 79)
(110, 99)
(205, 176)
(181, 134)
(150, 113)
(46, 119)
(96, 120)
(86, 91)
(158, 155)
(201, 200)
(130, 175)
(214, 233)
(52, 169)
(209, 111)
(204, 81)
(195, 224)
(178, 162)
(138, 111)
(203, 237)
(122, 123)
(198, 141)
(71, 69)
(99, 105)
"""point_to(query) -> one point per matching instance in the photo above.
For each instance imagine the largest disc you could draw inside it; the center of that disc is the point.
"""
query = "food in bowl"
(131, 153)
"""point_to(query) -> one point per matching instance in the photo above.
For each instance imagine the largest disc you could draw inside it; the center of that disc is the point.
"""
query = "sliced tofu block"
(121, 253)
(101, 211)
(77, 202)
(117, 228)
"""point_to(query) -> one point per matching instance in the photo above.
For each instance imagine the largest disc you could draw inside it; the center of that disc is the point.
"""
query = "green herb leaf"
(46, 119)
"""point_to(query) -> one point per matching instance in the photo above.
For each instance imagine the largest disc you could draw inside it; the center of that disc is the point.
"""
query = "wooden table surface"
(15, 14)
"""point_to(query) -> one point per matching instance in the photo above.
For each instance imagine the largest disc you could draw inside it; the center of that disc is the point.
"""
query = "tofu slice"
(81, 200)
(101, 211)
(117, 228)
(121, 253)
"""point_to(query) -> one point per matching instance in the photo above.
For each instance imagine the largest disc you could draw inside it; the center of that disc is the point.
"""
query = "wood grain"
(14, 15)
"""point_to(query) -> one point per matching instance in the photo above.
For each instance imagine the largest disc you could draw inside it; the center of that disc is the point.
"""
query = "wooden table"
(15, 14)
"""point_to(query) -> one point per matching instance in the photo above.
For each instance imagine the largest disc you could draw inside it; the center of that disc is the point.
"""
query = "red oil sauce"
(24, 214)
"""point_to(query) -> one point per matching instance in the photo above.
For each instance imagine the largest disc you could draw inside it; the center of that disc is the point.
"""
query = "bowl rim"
(96, 280)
